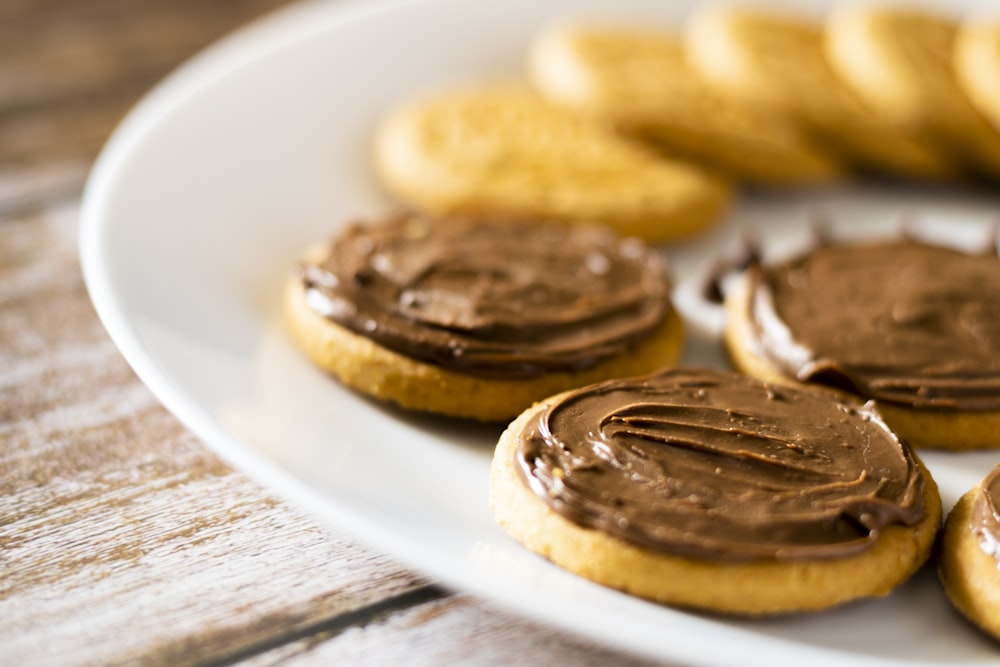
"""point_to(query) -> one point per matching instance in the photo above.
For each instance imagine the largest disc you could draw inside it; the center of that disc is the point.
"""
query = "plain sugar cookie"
(900, 61)
(977, 65)
(714, 491)
(776, 60)
(638, 81)
(502, 150)
(479, 318)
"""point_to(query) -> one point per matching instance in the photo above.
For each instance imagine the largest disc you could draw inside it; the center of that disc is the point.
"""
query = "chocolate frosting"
(715, 465)
(904, 322)
(496, 298)
(985, 515)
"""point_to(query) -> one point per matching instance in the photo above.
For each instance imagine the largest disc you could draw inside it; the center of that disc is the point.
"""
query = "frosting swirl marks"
(986, 515)
(904, 322)
(715, 465)
(496, 298)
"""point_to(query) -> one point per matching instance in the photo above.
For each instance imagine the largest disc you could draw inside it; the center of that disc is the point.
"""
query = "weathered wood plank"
(70, 70)
(113, 516)
(24, 189)
(458, 630)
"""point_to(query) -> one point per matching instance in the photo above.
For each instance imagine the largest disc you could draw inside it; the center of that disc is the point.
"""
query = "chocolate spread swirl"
(904, 322)
(710, 464)
(494, 298)
(986, 517)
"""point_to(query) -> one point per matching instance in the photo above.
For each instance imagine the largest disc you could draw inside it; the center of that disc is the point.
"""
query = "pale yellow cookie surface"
(639, 81)
(977, 65)
(899, 60)
(753, 588)
(501, 150)
(935, 429)
(970, 576)
(776, 60)
(386, 375)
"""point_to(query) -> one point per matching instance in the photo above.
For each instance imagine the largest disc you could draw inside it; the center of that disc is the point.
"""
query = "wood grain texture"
(458, 630)
(113, 516)
(70, 70)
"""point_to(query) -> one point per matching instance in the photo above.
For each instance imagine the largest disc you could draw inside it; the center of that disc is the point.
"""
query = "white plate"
(210, 189)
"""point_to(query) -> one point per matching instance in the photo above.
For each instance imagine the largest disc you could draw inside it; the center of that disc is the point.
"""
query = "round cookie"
(969, 555)
(899, 60)
(776, 60)
(502, 150)
(910, 325)
(977, 65)
(480, 318)
(639, 82)
(710, 490)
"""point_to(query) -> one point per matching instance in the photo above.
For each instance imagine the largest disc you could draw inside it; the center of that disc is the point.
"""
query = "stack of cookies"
(522, 283)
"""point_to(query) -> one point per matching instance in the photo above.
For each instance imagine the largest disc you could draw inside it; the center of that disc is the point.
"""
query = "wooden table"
(123, 539)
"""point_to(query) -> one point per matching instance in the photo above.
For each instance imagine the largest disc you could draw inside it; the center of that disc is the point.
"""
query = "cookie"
(639, 82)
(908, 324)
(713, 491)
(776, 60)
(479, 318)
(969, 555)
(899, 60)
(977, 65)
(501, 150)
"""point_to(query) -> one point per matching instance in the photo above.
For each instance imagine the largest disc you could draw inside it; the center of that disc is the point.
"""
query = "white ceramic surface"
(209, 190)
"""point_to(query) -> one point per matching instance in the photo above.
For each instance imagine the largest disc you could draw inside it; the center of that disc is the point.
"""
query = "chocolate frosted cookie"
(480, 318)
(712, 490)
(969, 560)
(911, 325)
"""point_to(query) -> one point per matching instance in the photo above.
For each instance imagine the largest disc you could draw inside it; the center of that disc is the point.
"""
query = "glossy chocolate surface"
(710, 464)
(904, 322)
(497, 298)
